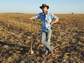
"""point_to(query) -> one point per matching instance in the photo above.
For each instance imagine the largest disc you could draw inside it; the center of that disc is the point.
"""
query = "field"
(15, 39)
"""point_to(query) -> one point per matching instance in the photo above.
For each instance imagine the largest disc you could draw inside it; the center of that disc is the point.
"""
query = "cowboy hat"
(44, 5)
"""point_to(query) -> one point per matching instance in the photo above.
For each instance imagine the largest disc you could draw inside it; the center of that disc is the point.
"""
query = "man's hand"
(55, 21)
(51, 23)
(31, 18)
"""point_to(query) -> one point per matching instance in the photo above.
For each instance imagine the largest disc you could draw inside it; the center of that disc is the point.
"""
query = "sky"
(32, 6)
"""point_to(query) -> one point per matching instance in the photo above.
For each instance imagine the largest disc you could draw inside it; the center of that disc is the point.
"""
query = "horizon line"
(36, 13)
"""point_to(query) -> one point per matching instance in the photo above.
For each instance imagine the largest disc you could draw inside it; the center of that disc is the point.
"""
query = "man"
(46, 19)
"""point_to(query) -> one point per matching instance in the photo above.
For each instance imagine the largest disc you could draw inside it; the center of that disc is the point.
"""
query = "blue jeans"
(46, 35)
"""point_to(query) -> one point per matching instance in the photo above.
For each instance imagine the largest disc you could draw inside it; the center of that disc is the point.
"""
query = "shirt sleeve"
(37, 16)
(54, 17)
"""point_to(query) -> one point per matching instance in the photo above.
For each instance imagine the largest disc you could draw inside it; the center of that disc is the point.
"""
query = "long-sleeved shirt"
(45, 20)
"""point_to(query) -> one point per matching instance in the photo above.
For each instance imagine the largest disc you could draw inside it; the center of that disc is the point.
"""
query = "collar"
(46, 13)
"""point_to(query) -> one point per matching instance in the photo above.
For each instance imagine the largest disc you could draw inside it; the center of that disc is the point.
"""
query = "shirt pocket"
(42, 18)
(49, 19)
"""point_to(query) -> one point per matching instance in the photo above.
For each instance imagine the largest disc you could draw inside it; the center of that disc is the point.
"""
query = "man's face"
(44, 9)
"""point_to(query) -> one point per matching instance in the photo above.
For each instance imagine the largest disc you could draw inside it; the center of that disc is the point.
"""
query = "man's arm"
(34, 17)
(31, 18)
(55, 21)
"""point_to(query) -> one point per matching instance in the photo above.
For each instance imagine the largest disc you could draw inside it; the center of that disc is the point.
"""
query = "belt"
(50, 28)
